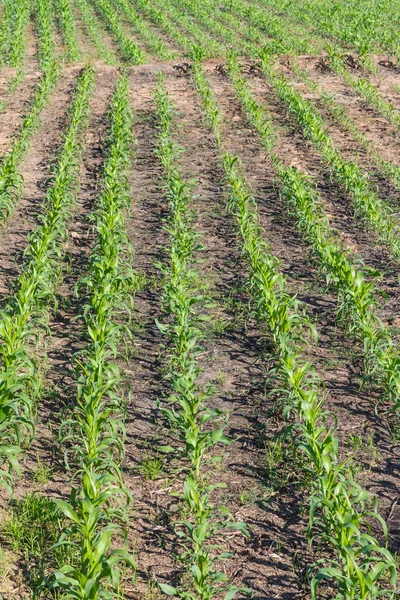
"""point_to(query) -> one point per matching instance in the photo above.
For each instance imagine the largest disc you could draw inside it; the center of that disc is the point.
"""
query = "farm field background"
(200, 301)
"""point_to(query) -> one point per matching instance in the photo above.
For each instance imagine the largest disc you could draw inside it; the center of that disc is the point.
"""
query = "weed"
(152, 467)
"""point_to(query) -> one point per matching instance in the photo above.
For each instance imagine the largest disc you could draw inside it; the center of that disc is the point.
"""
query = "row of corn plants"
(199, 426)
(93, 433)
(95, 31)
(130, 51)
(26, 313)
(340, 510)
(14, 36)
(342, 117)
(11, 181)
(67, 24)
(357, 297)
(155, 45)
(43, 13)
(366, 202)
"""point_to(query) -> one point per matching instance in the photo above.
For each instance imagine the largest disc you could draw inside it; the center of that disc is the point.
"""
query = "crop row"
(67, 24)
(200, 427)
(94, 434)
(26, 314)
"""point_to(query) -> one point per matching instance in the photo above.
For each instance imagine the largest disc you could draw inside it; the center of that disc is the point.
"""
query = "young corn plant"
(67, 26)
(340, 510)
(99, 506)
(199, 427)
(130, 52)
(25, 316)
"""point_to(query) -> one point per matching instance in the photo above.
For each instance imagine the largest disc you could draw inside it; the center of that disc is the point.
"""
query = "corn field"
(200, 299)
